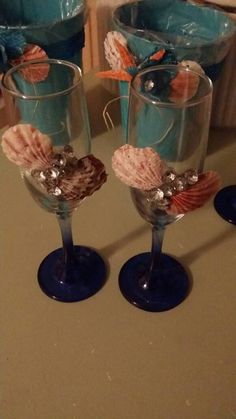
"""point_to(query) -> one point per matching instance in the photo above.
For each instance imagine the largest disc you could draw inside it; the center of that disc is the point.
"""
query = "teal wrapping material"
(48, 114)
(202, 34)
(56, 26)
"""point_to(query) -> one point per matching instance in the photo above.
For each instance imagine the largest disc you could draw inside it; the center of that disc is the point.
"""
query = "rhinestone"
(159, 194)
(168, 190)
(148, 85)
(52, 174)
(179, 184)
(54, 191)
(58, 160)
(191, 176)
(42, 176)
(169, 176)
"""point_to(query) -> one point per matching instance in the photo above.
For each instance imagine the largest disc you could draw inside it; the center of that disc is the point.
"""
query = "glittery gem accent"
(179, 184)
(169, 176)
(191, 176)
(148, 85)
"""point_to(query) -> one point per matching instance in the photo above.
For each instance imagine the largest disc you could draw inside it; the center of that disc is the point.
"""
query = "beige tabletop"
(103, 358)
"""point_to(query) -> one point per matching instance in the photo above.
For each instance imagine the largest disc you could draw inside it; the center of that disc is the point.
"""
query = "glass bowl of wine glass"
(162, 163)
(49, 139)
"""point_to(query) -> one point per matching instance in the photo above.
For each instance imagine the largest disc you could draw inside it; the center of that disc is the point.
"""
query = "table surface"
(103, 358)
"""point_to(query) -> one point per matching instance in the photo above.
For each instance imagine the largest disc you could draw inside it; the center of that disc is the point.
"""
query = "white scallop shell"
(26, 146)
(141, 168)
(111, 52)
(192, 65)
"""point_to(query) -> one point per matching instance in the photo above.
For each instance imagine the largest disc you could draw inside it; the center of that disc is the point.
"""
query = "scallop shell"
(197, 195)
(141, 168)
(37, 72)
(111, 52)
(192, 65)
(26, 146)
(88, 178)
(184, 86)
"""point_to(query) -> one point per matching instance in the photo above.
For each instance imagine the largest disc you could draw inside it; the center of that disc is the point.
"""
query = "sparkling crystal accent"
(58, 160)
(148, 85)
(159, 195)
(191, 176)
(168, 190)
(169, 176)
(179, 184)
(52, 174)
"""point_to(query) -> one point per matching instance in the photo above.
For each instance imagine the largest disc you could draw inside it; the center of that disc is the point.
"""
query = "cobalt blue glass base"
(83, 277)
(167, 287)
(225, 203)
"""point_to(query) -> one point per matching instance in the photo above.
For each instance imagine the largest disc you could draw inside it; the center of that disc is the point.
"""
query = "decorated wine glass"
(162, 163)
(49, 139)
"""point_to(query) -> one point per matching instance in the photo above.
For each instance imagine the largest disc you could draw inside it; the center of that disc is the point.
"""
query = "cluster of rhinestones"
(62, 164)
(172, 184)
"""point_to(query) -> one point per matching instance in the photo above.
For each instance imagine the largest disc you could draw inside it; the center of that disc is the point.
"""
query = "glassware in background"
(169, 114)
(49, 139)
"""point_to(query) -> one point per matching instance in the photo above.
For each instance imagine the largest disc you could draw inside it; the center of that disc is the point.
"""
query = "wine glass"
(168, 126)
(49, 138)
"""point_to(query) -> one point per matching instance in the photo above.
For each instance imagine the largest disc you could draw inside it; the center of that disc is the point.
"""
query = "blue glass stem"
(148, 280)
(67, 241)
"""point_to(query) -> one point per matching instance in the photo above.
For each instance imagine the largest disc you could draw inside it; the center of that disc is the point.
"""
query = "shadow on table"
(110, 249)
(189, 257)
(220, 138)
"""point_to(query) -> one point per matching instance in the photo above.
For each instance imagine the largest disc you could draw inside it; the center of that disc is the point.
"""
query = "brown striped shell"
(141, 168)
(26, 146)
(197, 195)
(88, 178)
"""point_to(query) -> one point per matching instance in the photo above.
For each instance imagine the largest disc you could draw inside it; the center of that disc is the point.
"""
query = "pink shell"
(196, 196)
(36, 72)
(141, 168)
(88, 178)
(26, 146)
(184, 86)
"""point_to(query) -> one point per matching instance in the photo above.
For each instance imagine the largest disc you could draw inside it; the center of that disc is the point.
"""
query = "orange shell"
(36, 72)
(197, 195)
(184, 86)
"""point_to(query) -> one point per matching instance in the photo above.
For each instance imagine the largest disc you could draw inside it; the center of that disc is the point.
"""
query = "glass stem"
(148, 280)
(67, 240)
(157, 241)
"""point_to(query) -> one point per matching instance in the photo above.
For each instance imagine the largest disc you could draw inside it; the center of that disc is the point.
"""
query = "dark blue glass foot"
(167, 287)
(225, 203)
(84, 276)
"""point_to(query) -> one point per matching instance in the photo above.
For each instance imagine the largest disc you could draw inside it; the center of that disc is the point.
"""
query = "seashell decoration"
(26, 146)
(183, 87)
(58, 172)
(141, 168)
(192, 65)
(113, 57)
(37, 72)
(164, 189)
(88, 178)
(197, 195)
